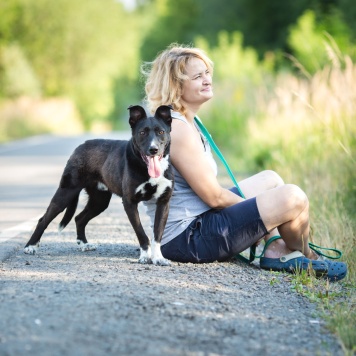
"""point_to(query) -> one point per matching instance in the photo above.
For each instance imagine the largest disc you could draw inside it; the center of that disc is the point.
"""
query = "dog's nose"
(153, 150)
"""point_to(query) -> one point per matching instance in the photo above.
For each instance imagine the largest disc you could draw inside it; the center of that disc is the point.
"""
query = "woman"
(207, 222)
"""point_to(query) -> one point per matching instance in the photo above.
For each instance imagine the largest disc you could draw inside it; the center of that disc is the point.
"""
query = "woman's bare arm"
(187, 155)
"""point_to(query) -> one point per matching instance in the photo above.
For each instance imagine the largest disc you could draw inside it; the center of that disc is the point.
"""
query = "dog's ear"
(164, 112)
(137, 113)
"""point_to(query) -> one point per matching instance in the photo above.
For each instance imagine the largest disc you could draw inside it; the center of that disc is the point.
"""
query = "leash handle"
(213, 145)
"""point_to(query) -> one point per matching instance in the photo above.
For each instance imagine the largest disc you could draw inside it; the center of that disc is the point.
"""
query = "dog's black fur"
(103, 167)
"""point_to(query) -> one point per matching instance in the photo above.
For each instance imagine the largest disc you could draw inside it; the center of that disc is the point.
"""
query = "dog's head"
(151, 136)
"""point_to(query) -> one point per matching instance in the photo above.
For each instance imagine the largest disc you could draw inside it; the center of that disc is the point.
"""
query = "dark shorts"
(218, 235)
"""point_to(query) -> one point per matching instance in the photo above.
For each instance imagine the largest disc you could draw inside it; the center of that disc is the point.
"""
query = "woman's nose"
(207, 77)
(207, 80)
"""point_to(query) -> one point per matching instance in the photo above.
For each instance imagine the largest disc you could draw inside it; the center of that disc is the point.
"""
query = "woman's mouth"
(207, 89)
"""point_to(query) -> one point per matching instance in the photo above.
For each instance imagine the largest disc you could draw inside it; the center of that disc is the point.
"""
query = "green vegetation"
(284, 84)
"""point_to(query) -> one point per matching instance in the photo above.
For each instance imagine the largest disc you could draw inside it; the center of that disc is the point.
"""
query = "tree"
(175, 23)
(74, 48)
(264, 24)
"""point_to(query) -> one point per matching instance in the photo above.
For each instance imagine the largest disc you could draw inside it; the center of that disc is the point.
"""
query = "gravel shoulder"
(65, 301)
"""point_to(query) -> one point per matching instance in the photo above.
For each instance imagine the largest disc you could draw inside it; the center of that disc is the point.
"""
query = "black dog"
(136, 170)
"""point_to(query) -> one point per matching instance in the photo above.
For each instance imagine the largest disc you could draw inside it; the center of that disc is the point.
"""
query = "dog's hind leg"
(98, 201)
(59, 202)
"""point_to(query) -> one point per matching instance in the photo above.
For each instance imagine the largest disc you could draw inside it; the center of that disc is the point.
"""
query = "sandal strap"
(291, 256)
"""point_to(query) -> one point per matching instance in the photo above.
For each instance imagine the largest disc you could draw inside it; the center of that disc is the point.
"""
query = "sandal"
(297, 261)
(293, 262)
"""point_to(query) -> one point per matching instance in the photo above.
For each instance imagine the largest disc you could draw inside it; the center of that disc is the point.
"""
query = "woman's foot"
(278, 257)
(293, 263)
(276, 249)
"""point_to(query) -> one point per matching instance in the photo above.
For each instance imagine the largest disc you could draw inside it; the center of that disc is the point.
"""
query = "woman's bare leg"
(283, 206)
(259, 183)
(287, 207)
(256, 185)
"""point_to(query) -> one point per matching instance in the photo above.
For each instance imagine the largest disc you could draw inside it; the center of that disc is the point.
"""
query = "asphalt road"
(63, 301)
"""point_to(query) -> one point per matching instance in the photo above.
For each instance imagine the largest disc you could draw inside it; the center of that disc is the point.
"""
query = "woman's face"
(198, 88)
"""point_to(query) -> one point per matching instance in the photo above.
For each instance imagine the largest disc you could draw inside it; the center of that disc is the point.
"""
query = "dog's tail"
(71, 208)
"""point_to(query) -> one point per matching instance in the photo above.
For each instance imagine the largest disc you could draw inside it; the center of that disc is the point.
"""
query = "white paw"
(161, 262)
(145, 256)
(145, 260)
(157, 258)
(31, 250)
(86, 246)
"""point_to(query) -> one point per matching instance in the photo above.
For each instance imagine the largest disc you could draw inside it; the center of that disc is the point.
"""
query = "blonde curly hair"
(166, 74)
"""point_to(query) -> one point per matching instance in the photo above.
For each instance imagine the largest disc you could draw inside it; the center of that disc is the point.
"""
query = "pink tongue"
(154, 167)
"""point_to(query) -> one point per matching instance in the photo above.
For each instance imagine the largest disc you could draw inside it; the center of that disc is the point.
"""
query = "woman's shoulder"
(178, 116)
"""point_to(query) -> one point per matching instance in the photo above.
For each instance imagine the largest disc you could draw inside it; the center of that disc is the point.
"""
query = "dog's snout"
(153, 150)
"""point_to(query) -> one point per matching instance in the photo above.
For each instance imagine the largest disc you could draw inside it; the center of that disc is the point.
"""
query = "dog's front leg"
(134, 217)
(159, 225)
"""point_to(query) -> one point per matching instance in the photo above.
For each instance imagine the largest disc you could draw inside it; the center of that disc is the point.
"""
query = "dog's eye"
(161, 132)
(142, 133)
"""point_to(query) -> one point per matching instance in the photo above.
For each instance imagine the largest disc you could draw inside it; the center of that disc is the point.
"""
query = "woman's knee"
(283, 204)
(294, 198)
(273, 178)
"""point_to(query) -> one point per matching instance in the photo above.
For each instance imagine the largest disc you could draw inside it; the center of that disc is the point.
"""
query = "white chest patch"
(161, 182)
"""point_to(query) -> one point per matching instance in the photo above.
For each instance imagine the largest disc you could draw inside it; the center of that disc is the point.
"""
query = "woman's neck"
(190, 114)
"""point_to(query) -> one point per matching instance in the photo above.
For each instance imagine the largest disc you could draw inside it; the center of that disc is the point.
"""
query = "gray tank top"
(185, 205)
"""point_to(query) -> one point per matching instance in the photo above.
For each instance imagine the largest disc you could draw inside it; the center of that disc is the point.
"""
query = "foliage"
(308, 40)
(92, 51)
(18, 77)
(170, 26)
(263, 23)
(77, 54)
(26, 116)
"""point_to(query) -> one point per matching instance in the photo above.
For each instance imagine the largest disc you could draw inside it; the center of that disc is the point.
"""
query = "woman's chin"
(208, 96)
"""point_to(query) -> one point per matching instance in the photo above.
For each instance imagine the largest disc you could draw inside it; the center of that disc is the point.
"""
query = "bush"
(17, 75)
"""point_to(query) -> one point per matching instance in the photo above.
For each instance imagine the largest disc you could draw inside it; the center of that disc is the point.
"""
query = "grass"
(336, 302)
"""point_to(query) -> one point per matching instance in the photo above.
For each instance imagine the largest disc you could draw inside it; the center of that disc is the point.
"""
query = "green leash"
(213, 145)
(317, 249)
(218, 153)
(314, 247)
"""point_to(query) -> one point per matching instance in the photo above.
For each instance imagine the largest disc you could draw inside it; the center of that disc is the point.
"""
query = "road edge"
(11, 247)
